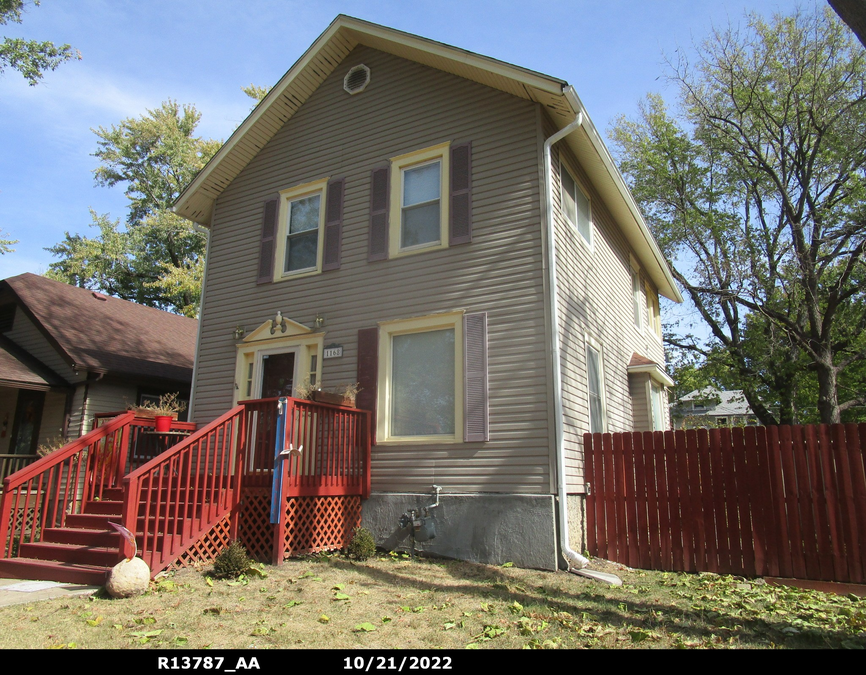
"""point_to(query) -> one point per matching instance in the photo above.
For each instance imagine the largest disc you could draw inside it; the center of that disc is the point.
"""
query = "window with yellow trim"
(421, 379)
(419, 201)
(301, 230)
(653, 312)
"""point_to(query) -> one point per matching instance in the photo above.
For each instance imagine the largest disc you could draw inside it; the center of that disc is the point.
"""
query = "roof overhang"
(641, 364)
(557, 98)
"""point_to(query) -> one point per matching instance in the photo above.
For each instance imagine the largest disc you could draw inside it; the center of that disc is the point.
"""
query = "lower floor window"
(421, 379)
(595, 389)
(422, 383)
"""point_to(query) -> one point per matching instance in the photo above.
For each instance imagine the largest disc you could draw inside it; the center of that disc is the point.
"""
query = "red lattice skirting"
(254, 525)
(206, 547)
(320, 523)
(312, 523)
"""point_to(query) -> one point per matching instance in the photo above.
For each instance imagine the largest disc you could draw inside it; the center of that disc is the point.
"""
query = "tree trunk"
(828, 399)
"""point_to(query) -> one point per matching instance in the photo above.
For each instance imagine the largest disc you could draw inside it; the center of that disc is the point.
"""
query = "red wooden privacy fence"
(786, 501)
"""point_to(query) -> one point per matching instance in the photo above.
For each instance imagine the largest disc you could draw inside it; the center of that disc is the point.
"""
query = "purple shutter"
(460, 225)
(379, 215)
(333, 225)
(268, 243)
(368, 373)
(475, 408)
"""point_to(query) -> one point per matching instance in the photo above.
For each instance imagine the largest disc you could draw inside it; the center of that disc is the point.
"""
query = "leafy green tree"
(156, 258)
(256, 92)
(29, 57)
(755, 191)
(6, 244)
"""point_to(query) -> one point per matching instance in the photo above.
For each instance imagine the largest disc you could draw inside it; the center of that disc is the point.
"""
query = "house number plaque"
(333, 351)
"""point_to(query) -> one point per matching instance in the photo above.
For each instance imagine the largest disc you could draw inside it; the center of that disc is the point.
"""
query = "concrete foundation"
(485, 528)
(576, 506)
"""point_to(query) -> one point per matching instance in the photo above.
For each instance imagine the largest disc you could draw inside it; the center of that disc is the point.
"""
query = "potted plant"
(164, 411)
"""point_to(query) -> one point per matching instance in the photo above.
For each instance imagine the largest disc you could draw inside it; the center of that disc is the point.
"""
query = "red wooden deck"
(185, 503)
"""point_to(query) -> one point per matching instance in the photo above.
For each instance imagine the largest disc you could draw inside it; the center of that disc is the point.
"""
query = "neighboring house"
(67, 353)
(384, 216)
(711, 407)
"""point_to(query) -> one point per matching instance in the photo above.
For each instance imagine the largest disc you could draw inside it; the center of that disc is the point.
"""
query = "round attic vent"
(357, 79)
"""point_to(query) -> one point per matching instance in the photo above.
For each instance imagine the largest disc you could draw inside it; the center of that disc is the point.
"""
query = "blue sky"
(137, 54)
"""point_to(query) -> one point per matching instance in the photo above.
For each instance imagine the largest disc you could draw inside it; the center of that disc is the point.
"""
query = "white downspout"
(574, 559)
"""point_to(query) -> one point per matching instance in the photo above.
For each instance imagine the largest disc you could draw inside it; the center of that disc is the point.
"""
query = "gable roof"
(341, 37)
(98, 333)
(730, 402)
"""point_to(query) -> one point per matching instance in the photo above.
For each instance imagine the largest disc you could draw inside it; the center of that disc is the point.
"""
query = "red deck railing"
(336, 444)
(336, 450)
(44, 493)
(175, 498)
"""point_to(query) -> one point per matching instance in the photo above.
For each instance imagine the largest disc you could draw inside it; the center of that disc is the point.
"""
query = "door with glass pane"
(277, 374)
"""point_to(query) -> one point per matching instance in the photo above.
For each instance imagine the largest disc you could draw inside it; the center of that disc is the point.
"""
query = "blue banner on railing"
(279, 445)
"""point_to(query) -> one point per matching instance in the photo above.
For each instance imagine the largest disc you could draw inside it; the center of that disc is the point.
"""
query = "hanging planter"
(163, 412)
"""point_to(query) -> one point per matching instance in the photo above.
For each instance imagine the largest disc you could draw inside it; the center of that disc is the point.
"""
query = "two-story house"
(450, 232)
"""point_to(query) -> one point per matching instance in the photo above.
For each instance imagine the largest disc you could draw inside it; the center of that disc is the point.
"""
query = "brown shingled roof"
(104, 334)
(638, 360)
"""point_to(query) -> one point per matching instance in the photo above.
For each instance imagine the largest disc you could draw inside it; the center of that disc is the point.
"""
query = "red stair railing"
(44, 493)
(175, 498)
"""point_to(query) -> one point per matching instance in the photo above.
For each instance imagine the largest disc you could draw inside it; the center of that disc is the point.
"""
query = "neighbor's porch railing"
(144, 443)
(9, 464)
(44, 493)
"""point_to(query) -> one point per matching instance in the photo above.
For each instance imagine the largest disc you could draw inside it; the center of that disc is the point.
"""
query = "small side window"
(575, 206)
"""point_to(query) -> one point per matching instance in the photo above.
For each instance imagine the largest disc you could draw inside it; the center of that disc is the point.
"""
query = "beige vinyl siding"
(406, 107)
(640, 396)
(108, 397)
(595, 301)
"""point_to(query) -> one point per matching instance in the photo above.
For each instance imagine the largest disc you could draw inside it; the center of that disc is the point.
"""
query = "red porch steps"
(87, 547)
(82, 552)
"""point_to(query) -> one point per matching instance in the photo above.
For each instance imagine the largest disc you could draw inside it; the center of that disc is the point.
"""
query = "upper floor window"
(636, 299)
(421, 209)
(301, 227)
(302, 234)
(419, 200)
(653, 312)
(575, 206)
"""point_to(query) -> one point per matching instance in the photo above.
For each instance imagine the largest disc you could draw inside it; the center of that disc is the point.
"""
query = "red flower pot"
(162, 422)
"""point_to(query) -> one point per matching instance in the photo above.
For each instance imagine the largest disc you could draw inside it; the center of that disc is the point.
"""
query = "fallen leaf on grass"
(324, 618)
(364, 628)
